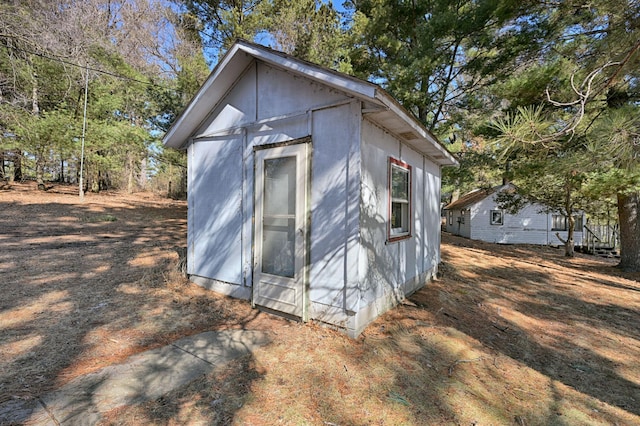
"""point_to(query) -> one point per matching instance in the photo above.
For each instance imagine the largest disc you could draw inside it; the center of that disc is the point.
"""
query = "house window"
(496, 217)
(399, 200)
(559, 223)
(579, 225)
(450, 217)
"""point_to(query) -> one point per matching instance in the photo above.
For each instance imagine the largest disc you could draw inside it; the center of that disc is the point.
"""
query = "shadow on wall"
(216, 203)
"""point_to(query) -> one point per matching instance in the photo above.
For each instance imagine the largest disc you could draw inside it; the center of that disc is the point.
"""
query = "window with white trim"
(399, 199)
(559, 223)
(496, 217)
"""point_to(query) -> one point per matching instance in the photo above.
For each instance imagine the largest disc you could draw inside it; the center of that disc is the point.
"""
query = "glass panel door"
(280, 195)
(279, 217)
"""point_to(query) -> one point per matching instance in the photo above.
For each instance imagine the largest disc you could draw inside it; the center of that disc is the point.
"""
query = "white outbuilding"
(310, 193)
(477, 215)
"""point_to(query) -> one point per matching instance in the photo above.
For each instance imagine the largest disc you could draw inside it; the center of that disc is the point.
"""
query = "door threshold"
(281, 314)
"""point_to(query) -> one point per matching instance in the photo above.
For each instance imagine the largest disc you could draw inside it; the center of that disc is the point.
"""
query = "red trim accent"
(400, 163)
(407, 166)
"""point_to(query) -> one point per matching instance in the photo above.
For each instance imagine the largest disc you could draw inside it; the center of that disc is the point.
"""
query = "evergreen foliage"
(136, 84)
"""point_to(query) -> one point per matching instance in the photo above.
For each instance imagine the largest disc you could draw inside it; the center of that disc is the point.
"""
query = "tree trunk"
(17, 166)
(40, 163)
(628, 209)
(142, 177)
(569, 245)
(129, 173)
(35, 105)
(40, 172)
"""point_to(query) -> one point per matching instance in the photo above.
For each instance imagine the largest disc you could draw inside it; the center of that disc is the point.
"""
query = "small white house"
(311, 193)
(477, 216)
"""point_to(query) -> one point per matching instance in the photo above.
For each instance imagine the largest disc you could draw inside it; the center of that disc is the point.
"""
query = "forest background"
(543, 93)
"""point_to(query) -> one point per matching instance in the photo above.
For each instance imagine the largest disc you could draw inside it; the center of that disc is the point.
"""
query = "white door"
(280, 229)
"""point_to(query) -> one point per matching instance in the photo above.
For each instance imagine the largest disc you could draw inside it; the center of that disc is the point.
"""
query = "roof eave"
(342, 82)
(176, 136)
(229, 67)
(443, 156)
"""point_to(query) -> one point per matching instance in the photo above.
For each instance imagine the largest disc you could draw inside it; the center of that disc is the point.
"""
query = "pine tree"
(581, 98)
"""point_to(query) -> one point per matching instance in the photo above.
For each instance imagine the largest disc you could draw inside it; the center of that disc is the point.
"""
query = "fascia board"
(358, 88)
(402, 114)
(192, 116)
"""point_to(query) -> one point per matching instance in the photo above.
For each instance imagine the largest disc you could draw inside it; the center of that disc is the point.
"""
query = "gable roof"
(477, 195)
(470, 198)
(387, 112)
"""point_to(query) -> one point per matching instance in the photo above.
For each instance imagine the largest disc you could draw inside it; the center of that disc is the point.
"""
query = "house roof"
(387, 113)
(470, 198)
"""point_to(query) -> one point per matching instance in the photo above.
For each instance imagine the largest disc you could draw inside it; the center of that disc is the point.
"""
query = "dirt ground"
(507, 335)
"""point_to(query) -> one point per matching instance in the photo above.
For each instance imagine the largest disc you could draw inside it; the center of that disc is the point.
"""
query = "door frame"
(298, 147)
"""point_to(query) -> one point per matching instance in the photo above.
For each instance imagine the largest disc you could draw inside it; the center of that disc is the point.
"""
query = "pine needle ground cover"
(508, 334)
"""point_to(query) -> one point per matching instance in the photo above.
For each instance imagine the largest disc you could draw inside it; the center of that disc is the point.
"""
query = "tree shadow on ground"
(86, 285)
(210, 399)
(575, 332)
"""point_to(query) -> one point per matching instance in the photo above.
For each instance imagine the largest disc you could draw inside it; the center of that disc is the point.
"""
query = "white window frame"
(405, 204)
(576, 217)
(558, 219)
(492, 219)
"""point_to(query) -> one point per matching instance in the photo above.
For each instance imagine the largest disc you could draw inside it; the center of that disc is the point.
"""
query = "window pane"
(399, 218)
(496, 217)
(280, 186)
(578, 226)
(559, 222)
(278, 218)
(400, 199)
(278, 246)
(396, 215)
(399, 183)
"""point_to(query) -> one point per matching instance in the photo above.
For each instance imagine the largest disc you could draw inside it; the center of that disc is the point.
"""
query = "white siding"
(451, 225)
(216, 210)
(391, 269)
(270, 106)
(335, 196)
(352, 266)
(461, 222)
(238, 108)
(528, 226)
(379, 260)
(282, 93)
(531, 225)
(431, 229)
